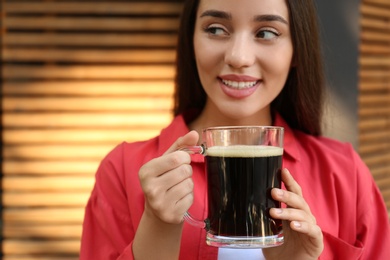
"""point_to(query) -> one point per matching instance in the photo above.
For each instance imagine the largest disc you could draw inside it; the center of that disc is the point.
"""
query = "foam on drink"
(245, 151)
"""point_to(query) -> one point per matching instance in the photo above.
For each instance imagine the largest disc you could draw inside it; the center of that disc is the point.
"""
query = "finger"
(176, 176)
(161, 165)
(311, 230)
(190, 139)
(176, 214)
(291, 214)
(177, 200)
(181, 190)
(290, 183)
(291, 199)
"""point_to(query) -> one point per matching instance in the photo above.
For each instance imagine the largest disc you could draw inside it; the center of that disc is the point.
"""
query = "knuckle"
(299, 190)
(174, 160)
(142, 174)
(313, 220)
(145, 171)
(190, 198)
(179, 141)
(186, 170)
(151, 192)
(190, 184)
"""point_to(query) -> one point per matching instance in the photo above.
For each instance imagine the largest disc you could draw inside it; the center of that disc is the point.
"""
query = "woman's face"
(243, 52)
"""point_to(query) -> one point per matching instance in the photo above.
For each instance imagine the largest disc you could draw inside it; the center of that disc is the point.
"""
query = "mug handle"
(187, 216)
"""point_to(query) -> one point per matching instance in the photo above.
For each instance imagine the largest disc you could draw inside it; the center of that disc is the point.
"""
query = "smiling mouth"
(239, 84)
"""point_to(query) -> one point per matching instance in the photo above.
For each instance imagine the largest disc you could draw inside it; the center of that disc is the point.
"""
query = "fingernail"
(278, 211)
(297, 224)
(279, 192)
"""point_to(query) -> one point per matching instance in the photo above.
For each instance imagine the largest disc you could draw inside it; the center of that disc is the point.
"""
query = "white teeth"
(239, 85)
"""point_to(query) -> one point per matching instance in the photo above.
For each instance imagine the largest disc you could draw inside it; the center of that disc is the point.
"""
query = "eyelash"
(212, 30)
(266, 31)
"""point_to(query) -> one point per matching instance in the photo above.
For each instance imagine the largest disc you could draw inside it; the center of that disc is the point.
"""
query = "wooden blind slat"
(88, 72)
(374, 86)
(372, 148)
(89, 56)
(375, 50)
(380, 172)
(47, 183)
(45, 199)
(374, 123)
(88, 120)
(90, 39)
(36, 167)
(379, 2)
(52, 152)
(76, 136)
(68, 231)
(375, 61)
(19, 257)
(90, 88)
(372, 136)
(92, 24)
(377, 159)
(20, 247)
(381, 37)
(377, 24)
(374, 111)
(375, 11)
(374, 100)
(89, 104)
(44, 216)
(167, 8)
(375, 75)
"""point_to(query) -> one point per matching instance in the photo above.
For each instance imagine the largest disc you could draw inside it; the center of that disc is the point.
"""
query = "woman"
(247, 62)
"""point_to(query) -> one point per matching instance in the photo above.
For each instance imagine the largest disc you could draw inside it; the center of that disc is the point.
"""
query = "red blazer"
(336, 184)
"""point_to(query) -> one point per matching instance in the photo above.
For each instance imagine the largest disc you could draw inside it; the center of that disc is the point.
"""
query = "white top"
(234, 254)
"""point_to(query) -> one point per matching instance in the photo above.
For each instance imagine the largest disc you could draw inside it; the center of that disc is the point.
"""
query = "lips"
(238, 86)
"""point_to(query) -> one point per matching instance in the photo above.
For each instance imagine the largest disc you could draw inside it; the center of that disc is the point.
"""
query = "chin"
(243, 115)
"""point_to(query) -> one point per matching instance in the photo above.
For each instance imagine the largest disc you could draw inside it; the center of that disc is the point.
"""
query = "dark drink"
(239, 182)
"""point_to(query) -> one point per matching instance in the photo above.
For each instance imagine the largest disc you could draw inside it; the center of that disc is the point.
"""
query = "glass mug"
(242, 165)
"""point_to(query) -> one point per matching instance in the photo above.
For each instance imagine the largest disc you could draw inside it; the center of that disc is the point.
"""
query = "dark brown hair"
(300, 102)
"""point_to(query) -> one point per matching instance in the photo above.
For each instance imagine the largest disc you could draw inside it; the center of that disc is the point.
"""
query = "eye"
(215, 30)
(267, 34)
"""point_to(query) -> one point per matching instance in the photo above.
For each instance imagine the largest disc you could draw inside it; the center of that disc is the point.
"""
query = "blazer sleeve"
(372, 222)
(107, 228)
(373, 219)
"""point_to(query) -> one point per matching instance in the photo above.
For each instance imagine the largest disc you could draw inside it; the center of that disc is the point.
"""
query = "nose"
(240, 52)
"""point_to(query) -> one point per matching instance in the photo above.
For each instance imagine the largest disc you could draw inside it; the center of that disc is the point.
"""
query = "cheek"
(207, 64)
(281, 63)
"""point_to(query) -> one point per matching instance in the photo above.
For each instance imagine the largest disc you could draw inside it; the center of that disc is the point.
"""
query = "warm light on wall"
(79, 78)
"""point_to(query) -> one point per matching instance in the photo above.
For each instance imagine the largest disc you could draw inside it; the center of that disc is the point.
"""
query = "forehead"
(246, 8)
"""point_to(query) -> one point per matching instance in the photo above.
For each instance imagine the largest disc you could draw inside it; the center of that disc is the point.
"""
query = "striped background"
(82, 76)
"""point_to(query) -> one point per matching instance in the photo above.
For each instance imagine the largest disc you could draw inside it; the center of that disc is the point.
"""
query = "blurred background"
(79, 77)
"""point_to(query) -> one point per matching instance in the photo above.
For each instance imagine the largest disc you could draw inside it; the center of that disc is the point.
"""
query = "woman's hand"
(302, 237)
(167, 184)
(168, 189)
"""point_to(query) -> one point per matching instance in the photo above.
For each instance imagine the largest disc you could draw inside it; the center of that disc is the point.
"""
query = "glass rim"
(216, 128)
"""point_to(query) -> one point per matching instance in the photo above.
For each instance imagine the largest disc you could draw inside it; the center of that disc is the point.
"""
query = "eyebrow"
(270, 18)
(217, 14)
(257, 18)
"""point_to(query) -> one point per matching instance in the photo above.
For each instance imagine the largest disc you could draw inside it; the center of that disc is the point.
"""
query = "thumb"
(189, 139)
